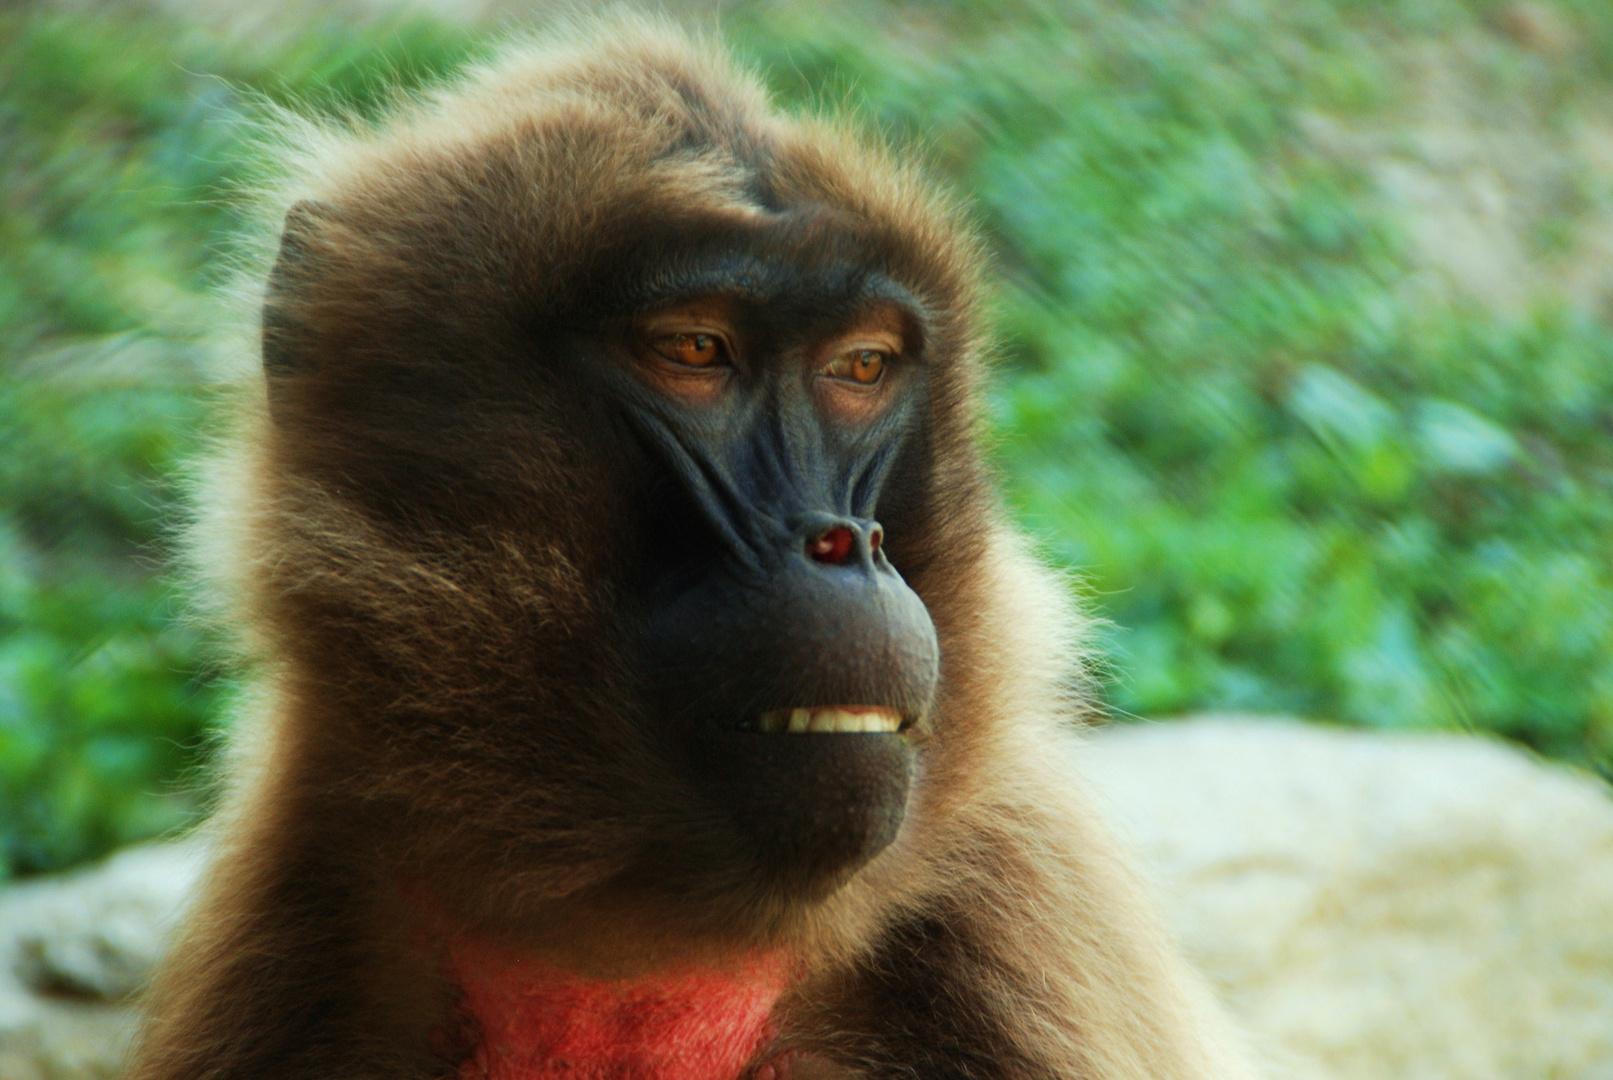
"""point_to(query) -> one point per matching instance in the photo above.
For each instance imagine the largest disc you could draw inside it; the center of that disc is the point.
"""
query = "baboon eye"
(690, 350)
(863, 366)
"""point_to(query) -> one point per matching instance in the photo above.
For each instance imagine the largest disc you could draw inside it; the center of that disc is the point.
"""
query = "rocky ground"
(1371, 906)
(73, 953)
(1380, 906)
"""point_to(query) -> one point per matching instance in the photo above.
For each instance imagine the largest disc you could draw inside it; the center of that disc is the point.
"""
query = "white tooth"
(832, 720)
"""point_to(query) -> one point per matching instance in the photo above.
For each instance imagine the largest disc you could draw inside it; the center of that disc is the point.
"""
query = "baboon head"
(620, 470)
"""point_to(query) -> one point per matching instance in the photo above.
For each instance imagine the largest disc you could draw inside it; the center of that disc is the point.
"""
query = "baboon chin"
(650, 684)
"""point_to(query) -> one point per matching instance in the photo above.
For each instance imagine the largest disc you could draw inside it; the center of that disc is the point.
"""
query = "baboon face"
(773, 392)
(720, 413)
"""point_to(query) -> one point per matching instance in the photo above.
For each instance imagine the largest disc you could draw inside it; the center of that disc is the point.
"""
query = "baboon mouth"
(832, 720)
(812, 808)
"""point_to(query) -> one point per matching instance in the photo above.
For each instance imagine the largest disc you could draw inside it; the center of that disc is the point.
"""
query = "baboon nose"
(838, 544)
(831, 546)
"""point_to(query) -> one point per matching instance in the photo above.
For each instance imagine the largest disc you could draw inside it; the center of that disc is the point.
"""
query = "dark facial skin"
(768, 597)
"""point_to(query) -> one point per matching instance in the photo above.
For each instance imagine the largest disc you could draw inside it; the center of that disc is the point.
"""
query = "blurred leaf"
(1459, 440)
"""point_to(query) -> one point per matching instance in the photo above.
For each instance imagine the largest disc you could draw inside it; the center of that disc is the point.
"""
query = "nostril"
(832, 546)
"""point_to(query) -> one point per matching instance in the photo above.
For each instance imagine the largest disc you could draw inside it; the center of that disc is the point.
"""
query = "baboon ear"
(294, 267)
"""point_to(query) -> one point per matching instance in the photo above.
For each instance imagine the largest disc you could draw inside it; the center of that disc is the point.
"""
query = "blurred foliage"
(119, 155)
(1292, 476)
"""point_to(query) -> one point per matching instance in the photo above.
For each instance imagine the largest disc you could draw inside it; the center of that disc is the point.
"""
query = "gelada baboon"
(652, 686)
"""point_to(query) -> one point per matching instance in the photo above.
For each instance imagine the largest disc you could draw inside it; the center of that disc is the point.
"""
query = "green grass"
(1292, 475)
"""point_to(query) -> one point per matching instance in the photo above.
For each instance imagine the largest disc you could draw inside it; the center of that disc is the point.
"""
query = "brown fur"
(443, 676)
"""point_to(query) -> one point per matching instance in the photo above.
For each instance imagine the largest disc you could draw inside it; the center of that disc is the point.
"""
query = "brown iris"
(863, 366)
(690, 350)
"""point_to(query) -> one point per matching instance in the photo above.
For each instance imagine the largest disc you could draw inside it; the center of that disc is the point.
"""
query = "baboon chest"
(535, 1022)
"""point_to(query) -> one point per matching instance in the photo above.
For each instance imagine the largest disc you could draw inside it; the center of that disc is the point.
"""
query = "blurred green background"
(1307, 364)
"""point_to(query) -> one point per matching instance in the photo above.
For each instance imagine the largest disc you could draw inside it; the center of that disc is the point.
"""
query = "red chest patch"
(540, 1023)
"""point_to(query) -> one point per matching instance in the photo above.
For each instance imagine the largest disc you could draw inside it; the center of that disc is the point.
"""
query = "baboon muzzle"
(788, 654)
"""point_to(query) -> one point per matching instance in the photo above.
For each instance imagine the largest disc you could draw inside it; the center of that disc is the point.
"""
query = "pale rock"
(1379, 906)
(75, 949)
